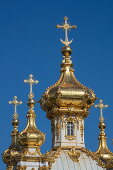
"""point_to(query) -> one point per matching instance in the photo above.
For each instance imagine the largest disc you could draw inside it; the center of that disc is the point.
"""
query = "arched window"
(70, 128)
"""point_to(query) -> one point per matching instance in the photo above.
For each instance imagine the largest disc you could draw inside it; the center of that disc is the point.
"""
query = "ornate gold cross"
(66, 26)
(101, 106)
(31, 82)
(16, 103)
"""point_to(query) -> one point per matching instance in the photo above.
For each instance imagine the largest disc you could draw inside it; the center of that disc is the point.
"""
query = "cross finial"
(16, 103)
(66, 26)
(31, 82)
(101, 106)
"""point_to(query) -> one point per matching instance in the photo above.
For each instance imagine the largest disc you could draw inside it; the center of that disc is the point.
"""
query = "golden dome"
(67, 95)
(10, 154)
(31, 136)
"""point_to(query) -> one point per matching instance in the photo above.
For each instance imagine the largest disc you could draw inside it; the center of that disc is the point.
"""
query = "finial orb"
(65, 18)
(15, 122)
(66, 51)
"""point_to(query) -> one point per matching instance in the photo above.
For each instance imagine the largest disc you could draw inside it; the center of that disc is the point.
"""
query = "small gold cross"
(66, 26)
(101, 106)
(31, 82)
(16, 103)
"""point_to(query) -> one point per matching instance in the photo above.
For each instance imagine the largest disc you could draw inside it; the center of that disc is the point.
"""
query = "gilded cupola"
(14, 150)
(67, 95)
(103, 150)
(31, 136)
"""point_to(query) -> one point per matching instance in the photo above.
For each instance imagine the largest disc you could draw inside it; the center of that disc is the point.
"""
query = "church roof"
(64, 162)
(77, 159)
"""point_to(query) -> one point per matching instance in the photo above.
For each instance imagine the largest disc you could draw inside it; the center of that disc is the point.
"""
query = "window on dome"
(70, 129)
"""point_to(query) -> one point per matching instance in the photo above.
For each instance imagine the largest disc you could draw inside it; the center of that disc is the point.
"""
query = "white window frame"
(70, 129)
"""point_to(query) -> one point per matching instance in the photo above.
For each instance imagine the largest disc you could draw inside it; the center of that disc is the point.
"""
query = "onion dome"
(31, 136)
(67, 95)
(13, 151)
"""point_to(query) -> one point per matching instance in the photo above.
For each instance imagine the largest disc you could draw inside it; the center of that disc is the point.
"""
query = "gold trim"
(70, 137)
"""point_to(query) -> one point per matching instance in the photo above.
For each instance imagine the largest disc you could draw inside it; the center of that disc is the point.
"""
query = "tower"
(67, 101)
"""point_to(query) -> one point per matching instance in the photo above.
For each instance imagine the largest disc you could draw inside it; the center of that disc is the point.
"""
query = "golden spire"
(31, 136)
(31, 82)
(66, 50)
(103, 150)
(15, 120)
(13, 150)
(66, 26)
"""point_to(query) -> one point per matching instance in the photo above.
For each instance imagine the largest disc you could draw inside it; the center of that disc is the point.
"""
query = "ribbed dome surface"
(63, 162)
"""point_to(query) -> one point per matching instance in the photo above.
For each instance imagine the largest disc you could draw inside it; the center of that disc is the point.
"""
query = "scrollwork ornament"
(21, 168)
(74, 155)
(71, 119)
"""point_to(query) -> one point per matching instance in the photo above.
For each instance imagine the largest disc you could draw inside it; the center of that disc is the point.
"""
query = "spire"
(13, 150)
(103, 150)
(31, 102)
(66, 26)
(15, 121)
(31, 136)
(66, 50)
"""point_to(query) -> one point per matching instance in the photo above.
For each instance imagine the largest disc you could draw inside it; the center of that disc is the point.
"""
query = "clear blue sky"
(29, 43)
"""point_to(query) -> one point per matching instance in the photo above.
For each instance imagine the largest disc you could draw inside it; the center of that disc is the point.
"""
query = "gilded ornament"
(74, 155)
(70, 137)
(9, 167)
(70, 119)
(21, 168)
